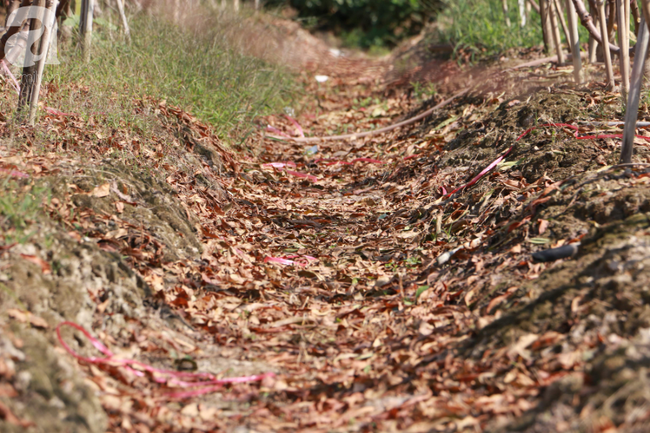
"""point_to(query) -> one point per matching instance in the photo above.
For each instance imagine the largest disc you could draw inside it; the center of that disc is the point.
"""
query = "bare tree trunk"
(64, 10)
(86, 27)
(574, 40)
(646, 61)
(125, 23)
(623, 42)
(531, 3)
(608, 56)
(13, 28)
(257, 5)
(611, 19)
(587, 22)
(235, 5)
(547, 31)
(30, 67)
(15, 4)
(521, 5)
(560, 14)
(593, 44)
(645, 4)
(504, 5)
(632, 111)
(46, 39)
(557, 41)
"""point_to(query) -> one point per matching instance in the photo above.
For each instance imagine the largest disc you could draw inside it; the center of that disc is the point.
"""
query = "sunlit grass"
(195, 68)
(20, 207)
(479, 25)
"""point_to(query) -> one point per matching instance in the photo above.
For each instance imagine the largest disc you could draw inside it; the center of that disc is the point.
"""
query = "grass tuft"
(195, 68)
(479, 26)
(20, 206)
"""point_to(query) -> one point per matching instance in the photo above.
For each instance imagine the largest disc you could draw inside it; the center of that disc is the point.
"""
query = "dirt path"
(370, 328)
(379, 304)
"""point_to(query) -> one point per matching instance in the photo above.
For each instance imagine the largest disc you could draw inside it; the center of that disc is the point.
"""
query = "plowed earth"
(378, 303)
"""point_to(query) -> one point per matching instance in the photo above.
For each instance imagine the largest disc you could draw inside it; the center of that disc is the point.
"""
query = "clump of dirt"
(539, 152)
(47, 388)
(481, 131)
(598, 303)
(146, 202)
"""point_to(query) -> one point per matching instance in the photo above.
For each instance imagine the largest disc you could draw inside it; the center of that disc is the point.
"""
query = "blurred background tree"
(364, 23)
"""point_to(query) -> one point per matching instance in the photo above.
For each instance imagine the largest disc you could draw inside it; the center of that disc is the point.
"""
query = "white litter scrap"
(445, 257)
(335, 52)
(321, 78)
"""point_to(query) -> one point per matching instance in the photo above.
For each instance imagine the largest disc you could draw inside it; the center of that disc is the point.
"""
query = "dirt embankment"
(85, 239)
(569, 337)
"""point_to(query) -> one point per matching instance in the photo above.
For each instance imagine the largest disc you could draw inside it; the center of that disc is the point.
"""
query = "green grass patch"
(20, 207)
(195, 68)
(479, 26)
